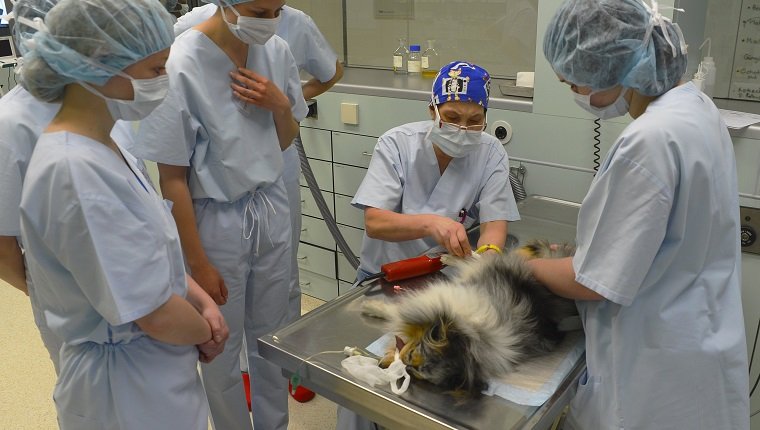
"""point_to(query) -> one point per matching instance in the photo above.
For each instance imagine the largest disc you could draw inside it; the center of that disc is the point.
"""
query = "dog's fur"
(492, 316)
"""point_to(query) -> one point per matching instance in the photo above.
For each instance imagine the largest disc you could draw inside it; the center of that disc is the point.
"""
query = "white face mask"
(252, 31)
(148, 94)
(452, 139)
(618, 108)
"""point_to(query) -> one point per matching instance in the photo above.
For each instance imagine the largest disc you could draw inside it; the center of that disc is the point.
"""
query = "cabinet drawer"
(318, 286)
(344, 287)
(353, 236)
(348, 178)
(309, 206)
(315, 232)
(316, 260)
(316, 143)
(346, 273)
(353, 149)
(347, 214)
(322, 173)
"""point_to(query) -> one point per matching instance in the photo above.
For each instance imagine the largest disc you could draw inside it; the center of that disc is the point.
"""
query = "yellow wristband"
(485, 248)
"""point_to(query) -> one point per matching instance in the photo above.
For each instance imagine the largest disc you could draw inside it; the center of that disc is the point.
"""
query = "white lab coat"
(103, 251)
(404, 177)
(657, 237)
(235, 167)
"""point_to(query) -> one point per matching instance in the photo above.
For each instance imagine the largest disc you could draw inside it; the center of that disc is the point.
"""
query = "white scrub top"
(231, 147)
(104, 251)
(404, 177)
(658, 238)
(307, 44)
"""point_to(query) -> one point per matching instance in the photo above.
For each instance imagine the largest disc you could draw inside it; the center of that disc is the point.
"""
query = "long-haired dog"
(493, 315)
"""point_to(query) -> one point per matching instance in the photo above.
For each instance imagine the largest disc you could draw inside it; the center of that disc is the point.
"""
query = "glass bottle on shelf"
(400, 57)
(431, 62)
(414, 65)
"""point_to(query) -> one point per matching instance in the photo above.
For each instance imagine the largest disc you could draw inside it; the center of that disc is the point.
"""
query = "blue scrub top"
(231, 147)
(658, 238)
(103, 250)
(404, 177)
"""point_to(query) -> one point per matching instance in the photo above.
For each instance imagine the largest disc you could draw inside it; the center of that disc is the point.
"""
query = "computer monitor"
(4, 8)
(7, 50)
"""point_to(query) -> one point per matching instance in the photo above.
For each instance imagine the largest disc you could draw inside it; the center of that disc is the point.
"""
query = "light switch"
(349, 113)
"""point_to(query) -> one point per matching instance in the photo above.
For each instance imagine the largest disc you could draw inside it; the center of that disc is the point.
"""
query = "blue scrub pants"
(291, 175)
(257, 274)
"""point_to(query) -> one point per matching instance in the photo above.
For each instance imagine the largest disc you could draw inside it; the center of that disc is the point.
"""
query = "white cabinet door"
(322, 173)
(347, 214)
(317, 143)
(348, 178)
(309, 206)
(353, 149)
(318, 286)
(316, 260)
(314, 231)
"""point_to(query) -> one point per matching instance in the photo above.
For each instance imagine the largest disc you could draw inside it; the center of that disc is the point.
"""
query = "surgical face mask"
(454, 140)
(252, 31)
(618, 108)
(148, 94)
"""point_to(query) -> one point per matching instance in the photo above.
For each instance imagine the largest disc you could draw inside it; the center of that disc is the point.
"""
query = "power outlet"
(750, 229)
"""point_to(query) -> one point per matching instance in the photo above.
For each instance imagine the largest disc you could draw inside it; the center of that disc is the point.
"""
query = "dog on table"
(493, 315)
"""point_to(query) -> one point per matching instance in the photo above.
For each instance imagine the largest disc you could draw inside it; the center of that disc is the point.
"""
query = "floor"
(27, 377)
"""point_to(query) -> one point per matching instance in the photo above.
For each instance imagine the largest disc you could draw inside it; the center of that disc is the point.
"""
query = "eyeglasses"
(467, 129)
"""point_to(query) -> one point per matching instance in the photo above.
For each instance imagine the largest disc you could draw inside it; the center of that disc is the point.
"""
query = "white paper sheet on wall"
(737, 120)
(745, 74)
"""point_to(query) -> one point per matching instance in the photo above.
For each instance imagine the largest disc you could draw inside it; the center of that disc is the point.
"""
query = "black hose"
(598, 141)
(311, 181)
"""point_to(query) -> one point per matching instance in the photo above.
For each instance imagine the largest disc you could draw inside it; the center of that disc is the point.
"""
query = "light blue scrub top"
(103, 251)
(404, 177)
(658, 238)
(231, 147)
(307, 44)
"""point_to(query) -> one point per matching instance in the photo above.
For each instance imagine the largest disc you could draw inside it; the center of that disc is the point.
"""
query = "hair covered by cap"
(76, 33)
(29, 9)
(462, 81)
(604, 43)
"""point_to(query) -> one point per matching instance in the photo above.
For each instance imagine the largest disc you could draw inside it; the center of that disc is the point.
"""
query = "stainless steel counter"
(339, 323)
(384, 83)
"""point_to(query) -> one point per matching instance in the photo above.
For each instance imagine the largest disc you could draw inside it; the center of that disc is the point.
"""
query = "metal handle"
(303, 230)
(304, 284)
(302, 258)
(366, 154)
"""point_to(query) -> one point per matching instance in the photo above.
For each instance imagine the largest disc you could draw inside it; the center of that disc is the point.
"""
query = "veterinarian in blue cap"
(429, 181)
(657, 268)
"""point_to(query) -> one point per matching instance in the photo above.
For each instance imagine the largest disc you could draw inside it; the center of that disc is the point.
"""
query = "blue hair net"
(604, 43)
(28, 10)
(78, 36)
(462, 81)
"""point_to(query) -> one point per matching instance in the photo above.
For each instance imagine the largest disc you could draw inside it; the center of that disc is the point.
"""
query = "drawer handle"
(303, 200)
(302, 258)
(304, 284)
(304, 230)
(366, 154)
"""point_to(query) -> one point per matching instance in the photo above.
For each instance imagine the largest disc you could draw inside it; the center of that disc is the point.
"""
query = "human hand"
(208, 351)
(211, 281)
(257, 90)
(449, 234)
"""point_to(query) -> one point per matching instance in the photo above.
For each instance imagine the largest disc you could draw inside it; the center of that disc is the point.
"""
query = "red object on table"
(302, 394)
(411, 268)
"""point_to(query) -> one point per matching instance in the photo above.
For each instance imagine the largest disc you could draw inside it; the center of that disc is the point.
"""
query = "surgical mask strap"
(657, 19)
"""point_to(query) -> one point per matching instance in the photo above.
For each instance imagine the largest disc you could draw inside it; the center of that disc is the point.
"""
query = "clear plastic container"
(414, 64)
(400, 57)
(431, 61)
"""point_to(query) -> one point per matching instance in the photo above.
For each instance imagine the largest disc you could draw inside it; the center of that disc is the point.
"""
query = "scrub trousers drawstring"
(258, 207)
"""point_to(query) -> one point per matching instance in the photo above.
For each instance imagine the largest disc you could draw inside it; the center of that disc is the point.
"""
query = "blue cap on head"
(604, 43)
(462, 81)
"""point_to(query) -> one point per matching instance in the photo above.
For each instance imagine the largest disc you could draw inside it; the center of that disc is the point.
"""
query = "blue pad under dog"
(533, 382)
